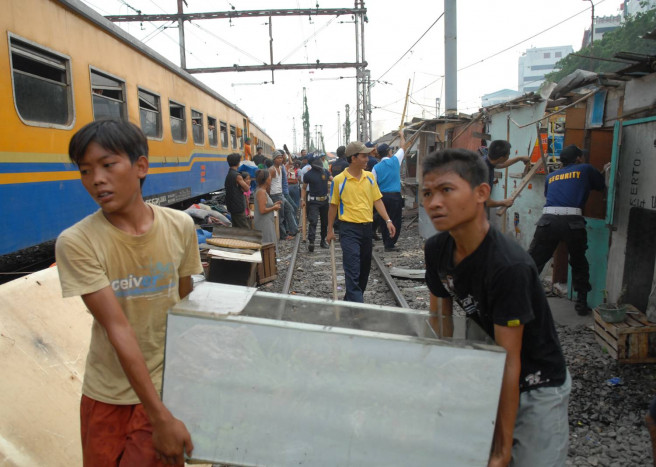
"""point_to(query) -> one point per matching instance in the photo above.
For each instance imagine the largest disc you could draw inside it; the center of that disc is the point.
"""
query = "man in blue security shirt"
(388, 176)
(315, 191)
(567, 190)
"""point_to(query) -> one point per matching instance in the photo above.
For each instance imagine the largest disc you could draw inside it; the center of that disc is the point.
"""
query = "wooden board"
(44, 340)
(631, 341)
(233, 243)
(522, 185)
(267, 271)
(416, 274)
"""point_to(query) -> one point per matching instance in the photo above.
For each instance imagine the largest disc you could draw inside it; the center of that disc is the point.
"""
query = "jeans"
(281, 215)
(541, 433)
(295, 194)
(289, 218)
(356, 243)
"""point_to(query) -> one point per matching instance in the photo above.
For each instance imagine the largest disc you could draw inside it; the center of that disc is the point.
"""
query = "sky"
(404, 41)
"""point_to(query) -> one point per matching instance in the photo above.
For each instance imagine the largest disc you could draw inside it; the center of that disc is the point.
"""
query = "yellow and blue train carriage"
(66, 66)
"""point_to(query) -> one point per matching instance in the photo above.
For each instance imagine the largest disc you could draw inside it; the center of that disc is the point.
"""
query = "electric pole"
(339, 130)
(306, 123)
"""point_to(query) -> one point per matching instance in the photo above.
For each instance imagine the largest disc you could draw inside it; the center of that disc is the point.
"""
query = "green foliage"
(626, 38)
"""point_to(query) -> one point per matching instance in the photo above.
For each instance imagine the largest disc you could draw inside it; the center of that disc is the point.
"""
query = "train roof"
(103, 23)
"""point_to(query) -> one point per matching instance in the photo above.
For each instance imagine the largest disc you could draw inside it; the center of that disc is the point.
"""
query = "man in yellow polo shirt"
(353, 196)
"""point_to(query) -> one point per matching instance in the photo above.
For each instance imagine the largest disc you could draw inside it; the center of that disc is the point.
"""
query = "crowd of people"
(309, 188)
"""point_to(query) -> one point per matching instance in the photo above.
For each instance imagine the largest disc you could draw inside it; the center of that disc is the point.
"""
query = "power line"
(407, 51)
(528, 38)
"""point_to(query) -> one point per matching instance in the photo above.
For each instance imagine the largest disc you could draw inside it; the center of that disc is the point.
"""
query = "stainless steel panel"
(310, 382)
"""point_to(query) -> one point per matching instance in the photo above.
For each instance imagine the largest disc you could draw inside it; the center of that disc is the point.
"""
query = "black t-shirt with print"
(499, 284)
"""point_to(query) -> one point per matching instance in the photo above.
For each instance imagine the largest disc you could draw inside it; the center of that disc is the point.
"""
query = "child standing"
(130, 262)
(247, 194)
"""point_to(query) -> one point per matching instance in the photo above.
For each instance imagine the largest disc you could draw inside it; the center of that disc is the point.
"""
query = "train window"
(150, 114)
(197, 127)
(108, 96)
(42, 84)
(211, 131)
(178, 122)
(233, 137)
(224, 135)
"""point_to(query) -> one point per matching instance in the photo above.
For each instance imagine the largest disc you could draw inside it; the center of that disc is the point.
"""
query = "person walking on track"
(315, 191)
(353, 197)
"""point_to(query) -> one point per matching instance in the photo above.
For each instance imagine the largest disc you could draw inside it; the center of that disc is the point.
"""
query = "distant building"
(498, 97)
(535, 63)
(631, 7)
(602, 25)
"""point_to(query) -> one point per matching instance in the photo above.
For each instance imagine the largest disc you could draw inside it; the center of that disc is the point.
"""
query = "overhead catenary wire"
(412, 46)
(527, 39)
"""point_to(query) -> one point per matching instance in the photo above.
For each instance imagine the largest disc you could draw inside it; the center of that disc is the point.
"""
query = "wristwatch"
(388, 220)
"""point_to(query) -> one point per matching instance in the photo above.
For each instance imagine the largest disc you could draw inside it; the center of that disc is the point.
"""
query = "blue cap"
(383, 149)
(369, 144)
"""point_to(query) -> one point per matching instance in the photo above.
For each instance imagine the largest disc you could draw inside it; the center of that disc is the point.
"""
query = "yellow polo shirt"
(355, 198)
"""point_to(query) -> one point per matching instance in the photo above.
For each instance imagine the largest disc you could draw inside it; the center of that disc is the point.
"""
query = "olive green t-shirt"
(143, 270)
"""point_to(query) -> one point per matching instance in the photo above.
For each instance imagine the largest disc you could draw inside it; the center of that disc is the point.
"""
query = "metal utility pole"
(294, 145)
(362, 77)
(339, 130)
(591, 23)
(347, 126)
(306, 123)
(181, 36)
(451, 57)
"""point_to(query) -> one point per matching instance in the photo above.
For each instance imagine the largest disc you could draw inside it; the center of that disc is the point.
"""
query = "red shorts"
(116, 435)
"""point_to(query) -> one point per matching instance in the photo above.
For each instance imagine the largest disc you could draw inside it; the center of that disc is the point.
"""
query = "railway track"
(327, 276)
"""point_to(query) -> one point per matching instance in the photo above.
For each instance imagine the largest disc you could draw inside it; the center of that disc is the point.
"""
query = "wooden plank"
(521, 186)
(486, 136)
(604, 325)
(417, 274)
(604, 345)
(610, 340)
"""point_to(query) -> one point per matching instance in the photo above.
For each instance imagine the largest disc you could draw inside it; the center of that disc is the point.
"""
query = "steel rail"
(292, 266)
(398, 296)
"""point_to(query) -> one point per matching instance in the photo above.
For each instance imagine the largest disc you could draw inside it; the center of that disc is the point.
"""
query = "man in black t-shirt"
(235, 187)
(315, 191)
(496, 283)
(259, 159)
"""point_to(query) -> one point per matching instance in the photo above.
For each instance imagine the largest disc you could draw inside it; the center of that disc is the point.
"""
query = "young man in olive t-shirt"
(130, 262)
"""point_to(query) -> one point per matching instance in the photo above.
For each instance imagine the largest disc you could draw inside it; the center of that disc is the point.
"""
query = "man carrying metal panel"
(497, 285)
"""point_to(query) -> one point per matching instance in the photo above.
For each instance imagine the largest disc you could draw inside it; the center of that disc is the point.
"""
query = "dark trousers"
(240, 220)
(394, 206)
(551, 230)
(356, 243)
(316, 210)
